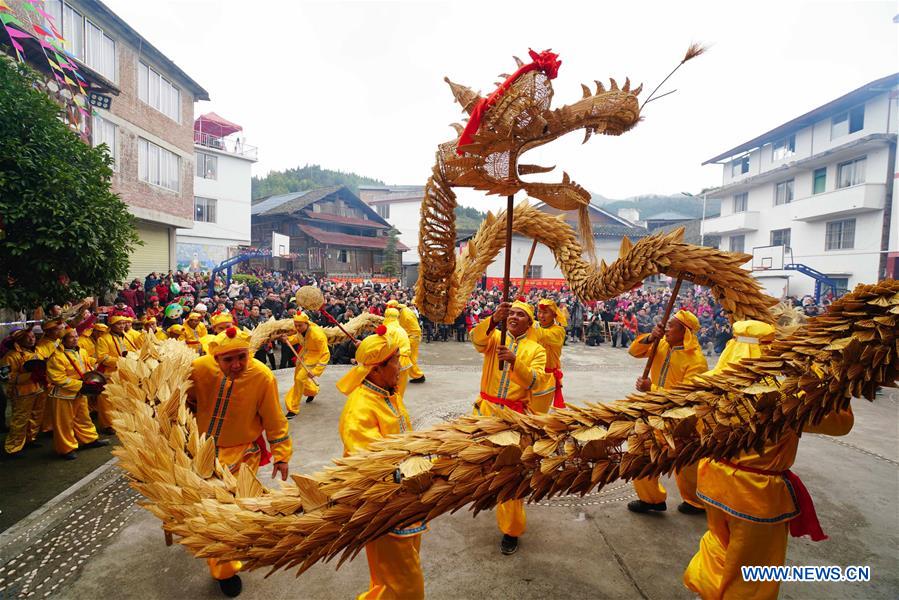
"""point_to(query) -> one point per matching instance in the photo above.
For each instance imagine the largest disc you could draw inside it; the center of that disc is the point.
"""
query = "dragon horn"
(464, 95)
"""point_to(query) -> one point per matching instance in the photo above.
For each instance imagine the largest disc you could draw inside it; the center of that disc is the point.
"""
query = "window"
(780, 237)
(784, 148)
(535, 272)
(158, 166)
(157, 91)
(740, 201)
(383, 210)
(739, 166)
(840, 235)
(343, 256)
(85, 40)
(207, 166)
(842, 284)
(737, 243)
(820, 182)
(205, 209)
(104, 132)
(847, 122)
(851, 172)
(783, 192)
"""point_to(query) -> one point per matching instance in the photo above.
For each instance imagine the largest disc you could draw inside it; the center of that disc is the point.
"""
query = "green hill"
(653, 204)
(307, 178)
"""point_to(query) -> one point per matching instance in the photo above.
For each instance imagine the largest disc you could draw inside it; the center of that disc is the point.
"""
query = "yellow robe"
(235, 412)
(394, 564)
(527, 385)
(110, 348)
(45, 349)
(670, 366)
(72, 425)
(315, 355)
(409, 322)
(135, 337)
(88, 344)
(748, 517)
(193, 337)
(552, 339)
(26, 399)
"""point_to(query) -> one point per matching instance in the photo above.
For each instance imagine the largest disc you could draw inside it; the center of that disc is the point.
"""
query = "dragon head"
(520, 119)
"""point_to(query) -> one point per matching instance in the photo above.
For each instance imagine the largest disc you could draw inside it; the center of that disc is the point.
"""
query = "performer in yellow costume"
(392, 322)
(372, 411)
(677, 359)
(53, 329)
(549, 332)
(235, 398)
(134, 336)
(220, 323)
(175, 332)
(152, 330)
(409, 322)
(523, 386)
(314, 356)
(753, 500)
(194, 332)
(111, 347)
(26, 392)
(72, 425)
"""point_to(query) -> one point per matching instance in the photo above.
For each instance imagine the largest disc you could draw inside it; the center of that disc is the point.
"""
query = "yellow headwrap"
(119, 318)
(749, 338)
(51, 323)
(372, 351)
(394, 304)
(230, 340)
(525, 307)
(691, 326)
(193, 315)
(149, 320)
(101, 327)
(551, 304)
(221, 318)
(300, 317)
(175, 329)
(391, 315)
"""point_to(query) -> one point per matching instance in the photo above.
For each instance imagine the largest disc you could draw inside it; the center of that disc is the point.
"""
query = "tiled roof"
(344, 239)
(285, 204)
(314, 216)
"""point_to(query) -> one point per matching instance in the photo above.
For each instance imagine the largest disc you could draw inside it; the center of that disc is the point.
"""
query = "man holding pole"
(513, 377)
(676, 357)
(312, 358)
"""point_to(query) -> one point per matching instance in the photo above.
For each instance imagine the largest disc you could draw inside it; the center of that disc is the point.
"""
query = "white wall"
(405, 217)
(231, 190)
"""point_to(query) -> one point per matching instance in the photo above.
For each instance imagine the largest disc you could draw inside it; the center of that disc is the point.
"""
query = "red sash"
(558, 400)
(264, 455)
(806, 522)
(516, 405)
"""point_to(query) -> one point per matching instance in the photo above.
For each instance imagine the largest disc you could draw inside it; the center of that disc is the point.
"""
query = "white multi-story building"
(399, 205)
(813, 197)
(222, 195)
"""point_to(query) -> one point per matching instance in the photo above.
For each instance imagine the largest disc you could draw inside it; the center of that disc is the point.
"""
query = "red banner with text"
(543, 284)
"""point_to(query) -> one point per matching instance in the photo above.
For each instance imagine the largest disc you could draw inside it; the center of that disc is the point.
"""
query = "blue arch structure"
(228, 266)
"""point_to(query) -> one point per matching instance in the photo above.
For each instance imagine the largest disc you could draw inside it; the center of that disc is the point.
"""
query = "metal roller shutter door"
(153, 255)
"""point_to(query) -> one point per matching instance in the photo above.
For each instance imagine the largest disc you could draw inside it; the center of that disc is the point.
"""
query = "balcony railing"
(225, 144)
(843, 202)
(735, 223)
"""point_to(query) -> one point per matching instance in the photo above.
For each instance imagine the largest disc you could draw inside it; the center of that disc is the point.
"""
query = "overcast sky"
(358, 86)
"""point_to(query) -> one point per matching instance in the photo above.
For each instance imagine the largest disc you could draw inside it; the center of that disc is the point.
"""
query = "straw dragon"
(481, 461)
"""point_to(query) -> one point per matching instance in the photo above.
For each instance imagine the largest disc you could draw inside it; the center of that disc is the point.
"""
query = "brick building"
(148, 126)
(332, 232)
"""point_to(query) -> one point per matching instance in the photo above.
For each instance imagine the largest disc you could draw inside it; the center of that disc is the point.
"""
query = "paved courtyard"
(92, 540)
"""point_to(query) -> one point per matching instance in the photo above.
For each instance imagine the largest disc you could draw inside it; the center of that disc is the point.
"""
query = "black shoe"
(70, 456)
(638, 506)
(34, 444)
(309, 399)
(418, 380)
(508, 545)
(291, 415)
(689, 509)
(232, 586)
(96, 443)
(107, 431)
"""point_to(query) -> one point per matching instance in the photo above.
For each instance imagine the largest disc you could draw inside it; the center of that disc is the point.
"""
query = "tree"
(64, 234)
(390, 266)
(308, 177)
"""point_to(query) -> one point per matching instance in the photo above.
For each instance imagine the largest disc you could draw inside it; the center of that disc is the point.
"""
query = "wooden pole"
(508, 266)
(333, 321)
(299, 362)
(527, 268)
(668, 309)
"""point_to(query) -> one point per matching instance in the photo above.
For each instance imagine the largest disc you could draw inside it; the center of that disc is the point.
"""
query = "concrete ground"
(91, 540)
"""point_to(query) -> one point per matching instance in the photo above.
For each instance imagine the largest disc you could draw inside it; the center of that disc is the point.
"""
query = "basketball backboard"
(765, 258)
